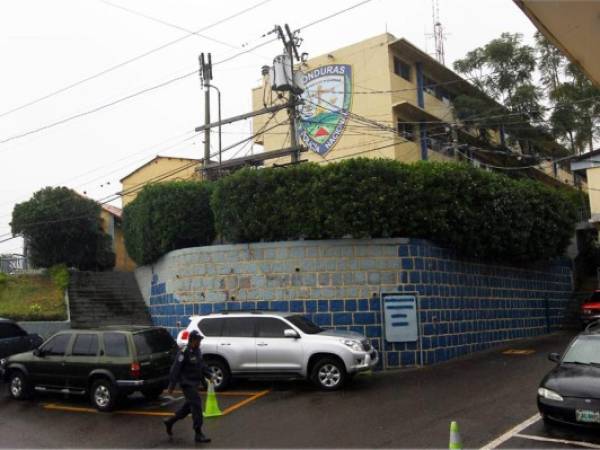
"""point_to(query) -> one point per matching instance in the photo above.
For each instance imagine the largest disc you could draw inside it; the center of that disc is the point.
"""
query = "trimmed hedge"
(168, 216)
(477, 213)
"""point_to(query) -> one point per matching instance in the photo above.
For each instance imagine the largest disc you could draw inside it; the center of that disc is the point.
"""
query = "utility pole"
(205, 78)
(291, 43)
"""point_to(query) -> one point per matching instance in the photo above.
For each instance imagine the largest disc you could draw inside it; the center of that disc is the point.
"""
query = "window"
(269, 327)
(238, 327)
(304, 324)
(85, 345)
(115, 344)
(401, 68)
(211, 327)
(10, 330)
(429, 85)
(57, 346)
(154, 341)
(406, 130)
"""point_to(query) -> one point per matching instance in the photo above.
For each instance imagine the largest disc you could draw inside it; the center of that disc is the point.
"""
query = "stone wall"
(465, 306)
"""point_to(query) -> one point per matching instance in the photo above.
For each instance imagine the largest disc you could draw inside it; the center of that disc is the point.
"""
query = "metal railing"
(13, 263)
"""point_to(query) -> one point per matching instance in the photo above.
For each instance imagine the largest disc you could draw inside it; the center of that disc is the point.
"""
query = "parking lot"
(491, 396)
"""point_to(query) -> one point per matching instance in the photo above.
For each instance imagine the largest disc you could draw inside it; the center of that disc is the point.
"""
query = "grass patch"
(34, 297)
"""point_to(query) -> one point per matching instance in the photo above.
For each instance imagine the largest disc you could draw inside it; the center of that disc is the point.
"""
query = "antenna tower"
(438, 32)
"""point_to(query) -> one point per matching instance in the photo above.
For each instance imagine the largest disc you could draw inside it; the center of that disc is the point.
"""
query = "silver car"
(279, 345)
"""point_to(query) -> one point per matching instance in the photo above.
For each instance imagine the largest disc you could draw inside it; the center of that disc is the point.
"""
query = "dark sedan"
(14, 339)
(570, 393)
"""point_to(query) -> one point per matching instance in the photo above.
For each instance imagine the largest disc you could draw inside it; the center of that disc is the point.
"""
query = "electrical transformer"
(281, 74)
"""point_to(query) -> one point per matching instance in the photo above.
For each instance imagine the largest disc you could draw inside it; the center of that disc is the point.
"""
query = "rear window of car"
(115, 344)
(238, 326)
(10, 330)
(210, 327)
(153, 341)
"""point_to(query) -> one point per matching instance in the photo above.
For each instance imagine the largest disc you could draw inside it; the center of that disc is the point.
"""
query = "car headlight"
(550, 395)
(354, 345)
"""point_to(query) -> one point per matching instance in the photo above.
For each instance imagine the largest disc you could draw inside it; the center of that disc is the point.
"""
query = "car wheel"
(220, 373)
(103, 395)
(152, 394)
(329, 374)
(18, 386)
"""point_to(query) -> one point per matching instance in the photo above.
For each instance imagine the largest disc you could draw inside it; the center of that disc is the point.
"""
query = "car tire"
(329, 374)
(104, 395)
(221, 373)
(152, 394)
(18, 386)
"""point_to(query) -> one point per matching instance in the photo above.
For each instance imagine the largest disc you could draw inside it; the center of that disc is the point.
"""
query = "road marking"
(510, 433)
(245, 402)
(518, 352)
(57, 407)
(227, 393)
(557, 441)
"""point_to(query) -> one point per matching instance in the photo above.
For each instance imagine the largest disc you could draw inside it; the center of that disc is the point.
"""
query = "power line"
(129, 61)
(165, 83)
(168, 24)
(98, 108)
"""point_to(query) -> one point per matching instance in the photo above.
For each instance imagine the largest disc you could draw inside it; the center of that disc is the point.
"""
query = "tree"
(575, 101)
(503, 70)
(551, 62)
(63, 227)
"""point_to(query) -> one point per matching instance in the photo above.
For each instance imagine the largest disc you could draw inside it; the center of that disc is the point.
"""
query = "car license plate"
(584, 415)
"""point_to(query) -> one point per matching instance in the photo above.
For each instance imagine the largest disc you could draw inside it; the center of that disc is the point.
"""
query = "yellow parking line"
(56, 407)
(79, 409)
(245, 402)
(518, 352)
(226, 393)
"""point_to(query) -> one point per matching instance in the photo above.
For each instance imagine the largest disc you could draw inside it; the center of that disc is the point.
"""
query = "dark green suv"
(106, 364)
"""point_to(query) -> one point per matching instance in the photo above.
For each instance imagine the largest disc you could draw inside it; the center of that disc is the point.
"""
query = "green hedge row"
(477, 213)
(167, 216)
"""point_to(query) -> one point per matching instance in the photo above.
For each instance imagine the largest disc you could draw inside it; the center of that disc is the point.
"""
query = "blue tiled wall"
(465, 306)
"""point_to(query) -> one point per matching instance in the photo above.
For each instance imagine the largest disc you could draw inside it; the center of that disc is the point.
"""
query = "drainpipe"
(421, 103)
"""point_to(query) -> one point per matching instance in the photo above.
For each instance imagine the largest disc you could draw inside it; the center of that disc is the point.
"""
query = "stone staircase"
(106, 298)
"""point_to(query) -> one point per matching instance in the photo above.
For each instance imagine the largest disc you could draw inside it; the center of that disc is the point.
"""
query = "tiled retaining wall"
(465, 306)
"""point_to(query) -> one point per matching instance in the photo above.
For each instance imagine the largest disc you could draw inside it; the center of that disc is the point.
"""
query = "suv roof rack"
(251, 311)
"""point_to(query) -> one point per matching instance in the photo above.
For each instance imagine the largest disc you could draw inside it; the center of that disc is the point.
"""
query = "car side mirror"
(554, 357)
(289, 333)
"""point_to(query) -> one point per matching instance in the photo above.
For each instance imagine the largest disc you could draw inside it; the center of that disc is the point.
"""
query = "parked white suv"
(278, 345)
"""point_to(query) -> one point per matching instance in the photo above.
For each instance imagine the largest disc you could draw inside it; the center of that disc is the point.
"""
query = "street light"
(210, 85)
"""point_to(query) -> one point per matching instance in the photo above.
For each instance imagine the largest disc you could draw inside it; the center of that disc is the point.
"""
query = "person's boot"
(169, 425)
(201, 438)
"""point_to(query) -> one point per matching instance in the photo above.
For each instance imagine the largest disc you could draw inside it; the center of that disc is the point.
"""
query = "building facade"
(383, 98)
(161, 168)
(112, 224)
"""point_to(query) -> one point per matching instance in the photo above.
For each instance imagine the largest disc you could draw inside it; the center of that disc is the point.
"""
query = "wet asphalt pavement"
(487, 394)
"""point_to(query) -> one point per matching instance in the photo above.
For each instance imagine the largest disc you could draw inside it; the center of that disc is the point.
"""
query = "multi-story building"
(384, 97)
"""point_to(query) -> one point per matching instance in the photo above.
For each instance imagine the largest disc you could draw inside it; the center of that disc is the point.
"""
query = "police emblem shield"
(327, 100)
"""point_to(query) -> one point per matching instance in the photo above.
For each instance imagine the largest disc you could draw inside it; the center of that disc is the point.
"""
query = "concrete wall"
(45, 329)
(465, 306)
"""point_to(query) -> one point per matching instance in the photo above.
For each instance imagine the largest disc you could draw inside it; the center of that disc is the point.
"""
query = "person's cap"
(194, 335)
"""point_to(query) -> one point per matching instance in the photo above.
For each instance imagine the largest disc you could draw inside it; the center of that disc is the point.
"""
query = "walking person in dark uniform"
(189, 370)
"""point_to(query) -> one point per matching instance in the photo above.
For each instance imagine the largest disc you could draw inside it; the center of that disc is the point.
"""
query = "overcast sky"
(46, 45)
